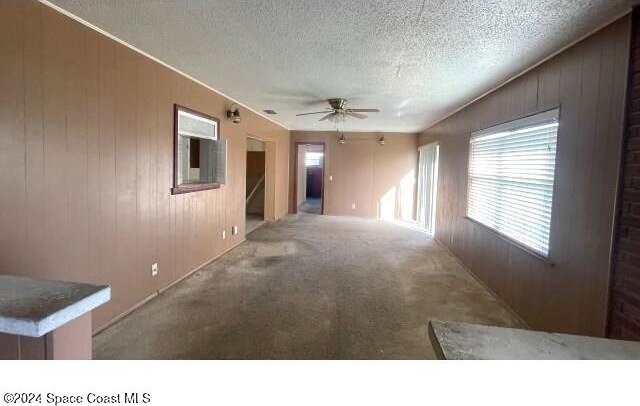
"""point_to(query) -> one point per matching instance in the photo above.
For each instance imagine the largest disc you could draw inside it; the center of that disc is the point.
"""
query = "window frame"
(512, 125)
(194, 187)
(320, 159)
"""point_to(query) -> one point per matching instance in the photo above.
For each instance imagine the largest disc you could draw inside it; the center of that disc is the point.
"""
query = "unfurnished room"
(319, 180)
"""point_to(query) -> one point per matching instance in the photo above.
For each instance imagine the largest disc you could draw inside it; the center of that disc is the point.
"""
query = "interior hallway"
(313, 205)
(310, 287)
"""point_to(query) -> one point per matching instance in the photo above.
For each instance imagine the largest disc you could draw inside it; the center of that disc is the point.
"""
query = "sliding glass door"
(428, 186)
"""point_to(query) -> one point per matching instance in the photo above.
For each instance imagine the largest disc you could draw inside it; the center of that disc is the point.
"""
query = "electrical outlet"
(154, 269)
(234, 230)
(353, 206)
(330, 177)
(224, 234)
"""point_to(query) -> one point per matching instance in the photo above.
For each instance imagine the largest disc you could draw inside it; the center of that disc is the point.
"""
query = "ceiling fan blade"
(363, 110)
(328, 116)
(315, 112)
(356, 115)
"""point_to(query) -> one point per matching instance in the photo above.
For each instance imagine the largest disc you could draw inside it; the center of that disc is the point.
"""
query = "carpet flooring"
(312, 205)
(309, 287)
(253, 222)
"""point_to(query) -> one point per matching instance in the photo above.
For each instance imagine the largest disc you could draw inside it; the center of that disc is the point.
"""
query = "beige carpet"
(311, 206)
(253, 222)
(309, 287)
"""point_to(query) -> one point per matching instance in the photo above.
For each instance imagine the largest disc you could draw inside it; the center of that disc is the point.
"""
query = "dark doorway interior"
(310, 178)
(313, 200)
(314, 182)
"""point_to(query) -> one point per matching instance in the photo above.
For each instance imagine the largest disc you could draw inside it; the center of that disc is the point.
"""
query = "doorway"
(428, 186)
(255, 184)
(310, 178)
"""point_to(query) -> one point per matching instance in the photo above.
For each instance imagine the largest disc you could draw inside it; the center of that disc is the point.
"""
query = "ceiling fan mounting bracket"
(337, 103)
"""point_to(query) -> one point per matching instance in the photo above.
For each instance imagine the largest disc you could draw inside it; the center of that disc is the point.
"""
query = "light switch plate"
(330, 177)
(353, 206)
(224, 234)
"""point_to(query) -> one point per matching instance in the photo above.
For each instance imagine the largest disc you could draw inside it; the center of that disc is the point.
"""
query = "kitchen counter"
(34, 307)
(463, 341)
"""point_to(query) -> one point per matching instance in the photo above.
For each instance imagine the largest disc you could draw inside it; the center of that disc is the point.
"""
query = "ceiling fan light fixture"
(339, 111)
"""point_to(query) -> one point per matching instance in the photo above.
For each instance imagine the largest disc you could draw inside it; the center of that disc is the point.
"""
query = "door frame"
(269, 175)
(434, 185)
(295, 173)
(246, 151)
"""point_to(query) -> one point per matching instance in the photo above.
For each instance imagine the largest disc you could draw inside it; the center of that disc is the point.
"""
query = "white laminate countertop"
(34, 307)
(463, 341)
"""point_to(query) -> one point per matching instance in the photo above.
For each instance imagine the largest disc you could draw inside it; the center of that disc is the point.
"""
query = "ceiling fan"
(339, 110)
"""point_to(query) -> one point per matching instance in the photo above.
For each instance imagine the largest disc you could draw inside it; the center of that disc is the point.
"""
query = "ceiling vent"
(272, 112)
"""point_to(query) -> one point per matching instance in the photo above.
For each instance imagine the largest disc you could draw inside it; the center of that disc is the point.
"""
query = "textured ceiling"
(415, 60)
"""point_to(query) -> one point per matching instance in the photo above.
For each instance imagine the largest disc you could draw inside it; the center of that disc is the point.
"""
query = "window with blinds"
(511, 175)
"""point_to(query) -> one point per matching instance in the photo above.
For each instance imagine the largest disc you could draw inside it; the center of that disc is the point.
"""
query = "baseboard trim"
(484, 285)
(125, 313)
(163, 289)
(199, 267)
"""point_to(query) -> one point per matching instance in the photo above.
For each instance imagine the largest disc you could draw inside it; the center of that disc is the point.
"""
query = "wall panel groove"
(587, 81)
(86, 158)
(379, 180)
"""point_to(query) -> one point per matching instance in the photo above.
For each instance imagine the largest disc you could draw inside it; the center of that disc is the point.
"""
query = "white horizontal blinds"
(190, 125)
(511, 175)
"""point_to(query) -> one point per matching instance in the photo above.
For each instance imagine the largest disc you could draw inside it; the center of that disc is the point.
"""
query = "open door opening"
(428, 186)
(310, 178)
(255, 193)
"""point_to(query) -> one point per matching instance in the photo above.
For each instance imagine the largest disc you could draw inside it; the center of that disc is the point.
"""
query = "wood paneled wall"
(378, 179)
(86, 156)
(624, 311)
(588, 82)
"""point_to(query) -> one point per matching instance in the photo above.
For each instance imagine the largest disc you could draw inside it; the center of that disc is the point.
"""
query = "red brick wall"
(624, 320)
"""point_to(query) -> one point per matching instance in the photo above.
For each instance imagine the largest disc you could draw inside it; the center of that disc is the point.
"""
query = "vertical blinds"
(511, 175)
